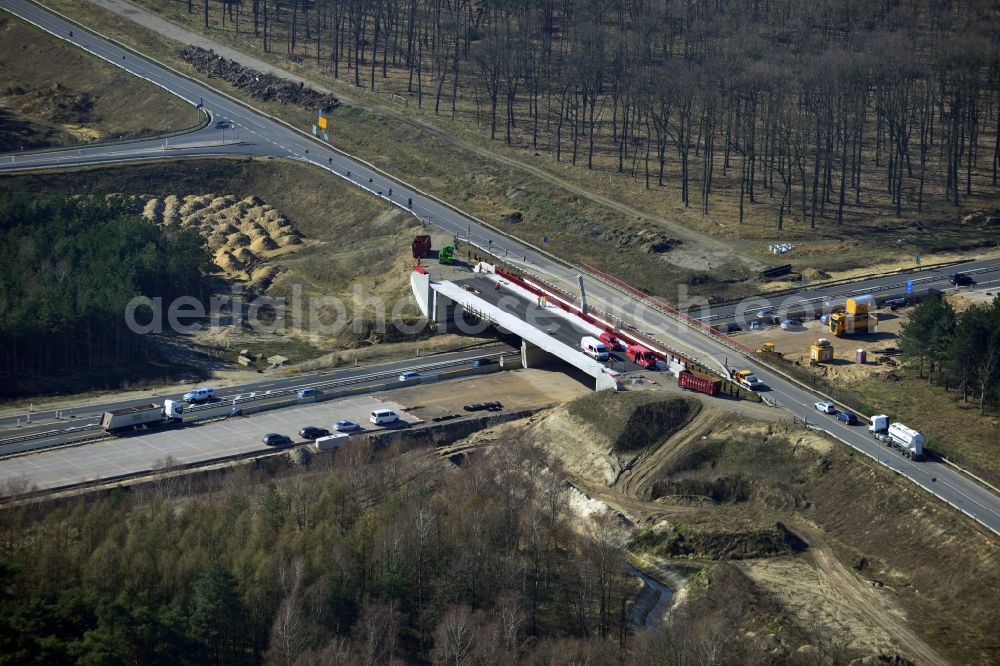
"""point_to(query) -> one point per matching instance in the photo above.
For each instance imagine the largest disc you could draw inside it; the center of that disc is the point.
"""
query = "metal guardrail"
(663, 308)
(46, 433)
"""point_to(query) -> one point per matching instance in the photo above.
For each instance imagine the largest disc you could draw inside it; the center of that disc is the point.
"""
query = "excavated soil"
(243, 235)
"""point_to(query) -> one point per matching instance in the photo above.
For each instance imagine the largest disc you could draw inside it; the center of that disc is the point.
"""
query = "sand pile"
(244, 235)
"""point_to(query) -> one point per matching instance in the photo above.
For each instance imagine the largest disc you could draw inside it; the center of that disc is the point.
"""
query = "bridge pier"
(533, 356)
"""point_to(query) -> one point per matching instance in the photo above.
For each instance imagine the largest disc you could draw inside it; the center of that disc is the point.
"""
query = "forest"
(68, 268)
(816, 113)
(958, 350)
(374, 558)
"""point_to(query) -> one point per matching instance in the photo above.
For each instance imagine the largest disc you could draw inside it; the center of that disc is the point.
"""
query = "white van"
(594, 347)
(380, 416)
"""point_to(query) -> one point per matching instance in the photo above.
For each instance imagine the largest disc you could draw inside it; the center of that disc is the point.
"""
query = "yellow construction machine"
(857, 317)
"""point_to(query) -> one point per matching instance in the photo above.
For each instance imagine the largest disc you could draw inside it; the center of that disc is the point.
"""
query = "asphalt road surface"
(65, 430)
(260, 135)
(128, 456)
(821, 298)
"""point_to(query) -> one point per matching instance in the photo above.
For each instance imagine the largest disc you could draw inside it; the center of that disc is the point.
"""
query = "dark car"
(312, 432)
(847, 417)
(961, 280)
(308, 392)
(275, 439)
(482, 362)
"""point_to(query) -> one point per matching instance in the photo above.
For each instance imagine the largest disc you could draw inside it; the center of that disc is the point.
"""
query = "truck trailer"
(905, 439)
(117, 421)
(688, 380)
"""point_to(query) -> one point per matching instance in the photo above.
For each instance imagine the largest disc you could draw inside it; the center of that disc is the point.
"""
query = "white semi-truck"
(117, 421)
(906, 439)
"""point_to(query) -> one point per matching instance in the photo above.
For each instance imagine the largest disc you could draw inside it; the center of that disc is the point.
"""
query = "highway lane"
(193, 445)
(89, 415)
(271, 137)
(822, 298)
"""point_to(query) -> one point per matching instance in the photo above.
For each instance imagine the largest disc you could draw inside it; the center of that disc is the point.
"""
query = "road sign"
(916, 258)
(314, 130)
(326, 136)
(545, 239)
(909, 286)
(322, 122)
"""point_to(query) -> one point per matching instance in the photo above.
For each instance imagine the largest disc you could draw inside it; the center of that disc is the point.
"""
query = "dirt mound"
(267, 87)
(263, 244)
(743, 461)
(815, 274)
(596, 437)
(262, 278)
(634, 420)
(242, 234)
(735, 543)
(227, 262)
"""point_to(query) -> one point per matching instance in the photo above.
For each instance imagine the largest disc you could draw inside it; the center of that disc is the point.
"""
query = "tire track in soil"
(863, 596)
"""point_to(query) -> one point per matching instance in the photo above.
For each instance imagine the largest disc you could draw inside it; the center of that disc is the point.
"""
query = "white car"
(826, 407)
(409, 376)
(346, 426)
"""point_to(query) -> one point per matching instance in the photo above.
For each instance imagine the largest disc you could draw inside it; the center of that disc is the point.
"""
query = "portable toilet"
(861, 356)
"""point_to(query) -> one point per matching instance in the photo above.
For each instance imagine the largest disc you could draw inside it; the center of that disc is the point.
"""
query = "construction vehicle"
(688, 380)
(858, 317)
(907, 440)
(117, 421)
(446, 255)
(641, 356)
(767, 349)
(746, 379)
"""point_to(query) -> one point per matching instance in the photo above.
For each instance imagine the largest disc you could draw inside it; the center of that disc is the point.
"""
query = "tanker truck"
(906, 439)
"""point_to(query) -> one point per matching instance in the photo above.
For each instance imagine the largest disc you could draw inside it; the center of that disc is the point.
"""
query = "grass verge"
(80, 101)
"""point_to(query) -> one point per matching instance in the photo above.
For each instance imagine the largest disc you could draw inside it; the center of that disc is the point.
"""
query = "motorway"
(261, 135)
(49, 432)
(822, 298)
(197, 444)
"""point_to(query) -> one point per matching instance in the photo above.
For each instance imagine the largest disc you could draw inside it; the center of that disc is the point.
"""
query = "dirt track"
(862, 598)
